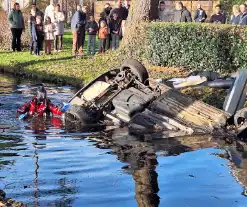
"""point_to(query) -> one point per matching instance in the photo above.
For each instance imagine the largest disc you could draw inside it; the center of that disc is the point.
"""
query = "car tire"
(81, 115)
(137, 69)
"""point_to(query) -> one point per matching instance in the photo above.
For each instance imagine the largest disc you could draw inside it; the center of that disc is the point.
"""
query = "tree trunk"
(144, 10)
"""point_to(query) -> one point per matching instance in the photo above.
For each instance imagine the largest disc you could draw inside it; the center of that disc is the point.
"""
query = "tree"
(143, 10)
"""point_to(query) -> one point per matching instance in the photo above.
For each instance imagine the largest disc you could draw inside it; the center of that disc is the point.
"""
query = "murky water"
(42, 164)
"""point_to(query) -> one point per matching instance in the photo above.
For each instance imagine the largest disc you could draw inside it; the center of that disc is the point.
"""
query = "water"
(42, 164)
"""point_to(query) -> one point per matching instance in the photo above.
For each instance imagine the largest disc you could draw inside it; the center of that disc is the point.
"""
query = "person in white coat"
(59, 24)
(50, 10)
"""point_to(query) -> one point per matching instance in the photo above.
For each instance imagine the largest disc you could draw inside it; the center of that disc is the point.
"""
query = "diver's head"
(41, 93)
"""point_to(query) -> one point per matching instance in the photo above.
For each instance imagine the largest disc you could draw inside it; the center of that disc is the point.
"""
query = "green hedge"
(196, 46)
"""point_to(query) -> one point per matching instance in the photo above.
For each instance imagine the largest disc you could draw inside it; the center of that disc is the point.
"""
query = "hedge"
(191, 46)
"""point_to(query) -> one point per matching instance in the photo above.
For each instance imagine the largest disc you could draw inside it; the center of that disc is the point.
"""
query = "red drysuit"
(34, 107)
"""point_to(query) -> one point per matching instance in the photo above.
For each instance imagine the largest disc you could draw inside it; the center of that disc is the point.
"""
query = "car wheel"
(77, 114)
(137, 69)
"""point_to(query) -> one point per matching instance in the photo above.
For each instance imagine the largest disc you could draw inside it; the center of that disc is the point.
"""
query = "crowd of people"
(109, 28)
(48, 27)
(182, 14)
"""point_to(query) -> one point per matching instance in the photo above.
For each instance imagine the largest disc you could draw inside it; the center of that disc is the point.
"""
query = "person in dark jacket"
(16, 22)
(235, 17)
(107, 9)
(77, 27)
(92, 29)
(38, 12)
(120, 10)
(200, 15)
(243, 16)
(32, 31)
(218, 17)
(181, 14)
(40, 35)
(115, 27)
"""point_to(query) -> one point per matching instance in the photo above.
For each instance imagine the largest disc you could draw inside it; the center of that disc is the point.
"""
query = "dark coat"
(40, 31)
(200, 18)
(234, 19)
(182, 16)
(122, 12)
(115, 25)
(243, 19)
(107, 11)
(93, 25)
(218, 19)
(39, 13)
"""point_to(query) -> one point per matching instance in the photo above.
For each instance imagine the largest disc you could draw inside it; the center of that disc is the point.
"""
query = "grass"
(59, 67)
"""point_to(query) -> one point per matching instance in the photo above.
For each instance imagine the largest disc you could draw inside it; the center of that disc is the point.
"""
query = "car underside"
(127, 96)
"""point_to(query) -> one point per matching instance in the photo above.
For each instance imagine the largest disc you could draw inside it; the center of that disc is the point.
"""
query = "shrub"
(191, 46)
(196, 46)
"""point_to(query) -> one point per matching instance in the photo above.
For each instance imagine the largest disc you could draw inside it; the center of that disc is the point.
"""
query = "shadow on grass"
(37, 61)
(20, 70)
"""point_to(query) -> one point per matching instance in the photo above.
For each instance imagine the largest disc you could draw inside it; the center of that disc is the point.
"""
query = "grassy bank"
(58, 67)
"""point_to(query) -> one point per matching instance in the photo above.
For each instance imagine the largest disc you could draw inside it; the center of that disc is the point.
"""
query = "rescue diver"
(40, 105)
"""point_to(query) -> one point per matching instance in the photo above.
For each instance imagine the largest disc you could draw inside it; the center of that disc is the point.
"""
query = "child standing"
(92, 29)
(32, 31)
(49, 34)
(40, 35)
(103, 35)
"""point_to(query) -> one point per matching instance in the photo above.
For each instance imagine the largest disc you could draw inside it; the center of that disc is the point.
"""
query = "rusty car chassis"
(127, 96)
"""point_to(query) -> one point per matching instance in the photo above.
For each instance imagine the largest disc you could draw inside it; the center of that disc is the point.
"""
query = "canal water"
(44, 164)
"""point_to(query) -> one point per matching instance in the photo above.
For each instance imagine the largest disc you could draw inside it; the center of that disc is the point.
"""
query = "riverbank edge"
(42, 76)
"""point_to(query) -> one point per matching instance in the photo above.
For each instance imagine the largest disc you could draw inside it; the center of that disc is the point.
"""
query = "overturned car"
(128, 96)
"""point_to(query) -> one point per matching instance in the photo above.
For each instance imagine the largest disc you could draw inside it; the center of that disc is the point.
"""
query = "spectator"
(121, 11)
(50, 10)
(200, 15)
(59, 24)
(32, 31)
(243, 16)
(38, 12)
(103, 17)
(115, 26)
(181, 13)
(40, 34)
(235, 17)
(92, 29)
(107, 9)
(77, 23)
(218, 17)
(84, 21)
(16, 22)
(49, 34)
(103, 34)
(165, 15)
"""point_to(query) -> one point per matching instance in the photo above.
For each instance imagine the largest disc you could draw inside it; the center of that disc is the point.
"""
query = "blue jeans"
(115, 41)
(91, 44)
